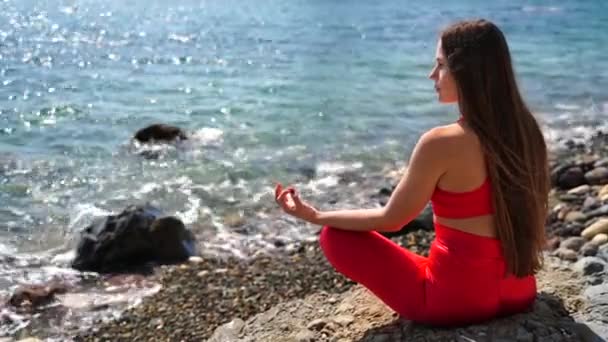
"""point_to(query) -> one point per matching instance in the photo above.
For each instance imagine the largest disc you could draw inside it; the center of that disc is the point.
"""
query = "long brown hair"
(513, 144)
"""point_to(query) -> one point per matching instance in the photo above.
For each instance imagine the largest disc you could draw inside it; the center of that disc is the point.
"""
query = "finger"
(284, 193)
(296, 198)
(277, 191)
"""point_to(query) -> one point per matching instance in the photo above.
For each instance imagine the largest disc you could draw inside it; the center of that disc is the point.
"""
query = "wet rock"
(590, 265)
(131, 239)
(573, 243)
(160, 133)
(599, 175)
(36, 295)
(599, 227)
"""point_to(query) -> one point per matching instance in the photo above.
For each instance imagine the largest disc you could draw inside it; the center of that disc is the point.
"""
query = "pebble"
(600, 239)
(566, 254)
(590, 203)
(575, 216)
(195, 259)
(599, 175)
(601, 211)
(599, 227)
(589, 249)
(344, 320)
(573, 243)
(603, 191)
(579, 190)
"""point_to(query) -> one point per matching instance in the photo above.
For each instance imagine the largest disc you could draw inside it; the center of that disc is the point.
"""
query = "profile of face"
(445, 86)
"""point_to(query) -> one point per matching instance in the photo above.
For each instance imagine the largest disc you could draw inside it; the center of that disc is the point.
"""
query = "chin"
(447, 101)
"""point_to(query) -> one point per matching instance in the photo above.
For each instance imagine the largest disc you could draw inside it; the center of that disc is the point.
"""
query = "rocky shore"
(199, 296)
(293, 294)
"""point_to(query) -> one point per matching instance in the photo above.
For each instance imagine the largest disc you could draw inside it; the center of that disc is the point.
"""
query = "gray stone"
(601, 211)
(566, 254)
(579, 190)
(601, 162)
(589, 249)
(575, 216)
(597, 294)
(590, 265)
(602, 252)
(590, 203)
(573, 243)
(599, 175)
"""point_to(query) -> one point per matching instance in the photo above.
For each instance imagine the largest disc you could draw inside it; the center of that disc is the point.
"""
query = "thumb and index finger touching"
(280, 194)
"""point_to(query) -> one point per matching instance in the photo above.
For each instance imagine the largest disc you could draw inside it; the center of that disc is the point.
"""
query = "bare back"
(466, 171)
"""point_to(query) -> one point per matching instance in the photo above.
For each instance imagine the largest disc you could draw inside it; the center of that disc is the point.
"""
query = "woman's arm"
(413, 192)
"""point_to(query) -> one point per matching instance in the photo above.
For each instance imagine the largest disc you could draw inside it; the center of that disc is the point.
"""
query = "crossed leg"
(393, 273)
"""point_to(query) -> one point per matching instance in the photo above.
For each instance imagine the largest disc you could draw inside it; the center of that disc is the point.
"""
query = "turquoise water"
(267, 88)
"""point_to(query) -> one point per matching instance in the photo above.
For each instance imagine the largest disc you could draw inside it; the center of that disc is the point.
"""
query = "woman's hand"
(290, 202)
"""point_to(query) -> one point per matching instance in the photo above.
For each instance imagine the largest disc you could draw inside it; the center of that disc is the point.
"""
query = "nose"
(433, 74)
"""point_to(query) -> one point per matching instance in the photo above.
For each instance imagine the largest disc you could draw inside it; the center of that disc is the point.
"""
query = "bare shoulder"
(444, 136)
(446, 146)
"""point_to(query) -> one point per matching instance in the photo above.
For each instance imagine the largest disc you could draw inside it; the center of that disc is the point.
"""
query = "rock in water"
(36, 295)
(131, 239)
(160, 133)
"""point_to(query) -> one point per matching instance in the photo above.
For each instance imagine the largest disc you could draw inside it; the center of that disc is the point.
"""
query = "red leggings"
(461, 282)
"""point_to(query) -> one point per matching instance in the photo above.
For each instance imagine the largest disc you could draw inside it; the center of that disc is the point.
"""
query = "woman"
(486, 176)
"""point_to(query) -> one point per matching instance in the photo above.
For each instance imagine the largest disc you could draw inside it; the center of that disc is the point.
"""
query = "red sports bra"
(472, 203)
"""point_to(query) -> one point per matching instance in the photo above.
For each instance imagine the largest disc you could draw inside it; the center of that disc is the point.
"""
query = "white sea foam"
(208, 136)
(83, 214)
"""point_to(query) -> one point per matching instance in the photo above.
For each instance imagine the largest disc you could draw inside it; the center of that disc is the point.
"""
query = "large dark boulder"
(131, 240)
(160, 133)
